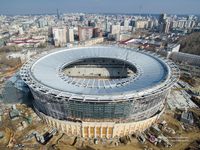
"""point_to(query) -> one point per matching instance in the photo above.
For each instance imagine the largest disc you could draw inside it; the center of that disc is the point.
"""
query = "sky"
(100, 6)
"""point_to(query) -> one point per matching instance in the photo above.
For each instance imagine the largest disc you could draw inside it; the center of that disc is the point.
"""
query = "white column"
(88, 131)
(129, 130)
(83, 131)
(107, 132)
(101, 132)
(95, 131)
(62, 126)
(77, 131)
(124, 130)
(112, 132)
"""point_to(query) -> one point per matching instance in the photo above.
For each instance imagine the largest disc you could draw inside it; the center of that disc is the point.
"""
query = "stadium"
(100, 91)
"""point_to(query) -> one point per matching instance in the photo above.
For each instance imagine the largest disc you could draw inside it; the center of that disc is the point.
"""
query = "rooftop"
(185, 58)
(152, 72)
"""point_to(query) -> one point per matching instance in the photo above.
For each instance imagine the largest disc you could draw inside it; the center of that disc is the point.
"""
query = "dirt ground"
(182, 138)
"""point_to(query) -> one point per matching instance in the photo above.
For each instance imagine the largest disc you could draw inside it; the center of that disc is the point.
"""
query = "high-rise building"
(59, 36)
(141, 24)
(190, 17)
(70, 35)
(85, 33)
(107, 24)
(189, 24)
(97, 33)
(162, 18)
(126, 23)
(181, 23)
(165, 27)
(174, 24)
(20, 30)
(150, 24)
(42, 23)
(82, 18)
(132, 23)
(91, 23)
(115, 29)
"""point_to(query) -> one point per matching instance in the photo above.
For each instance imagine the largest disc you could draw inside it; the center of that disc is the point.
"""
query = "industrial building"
(189, 64)
(100, 91)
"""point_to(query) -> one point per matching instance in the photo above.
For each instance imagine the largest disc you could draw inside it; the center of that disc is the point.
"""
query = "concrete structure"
(14, 114)
(34, 41)
(180, 99)
(126, 23)
(85, 33)
(97, 33)
(189, 64)
(59, 36)
(99, 129)
(173, 47)
(90, 42)
(183, 24)
(141, 24)
(187, 117)
(162, 18)
(99, 91)
(115, 29)
(70, 35)
(165, 27)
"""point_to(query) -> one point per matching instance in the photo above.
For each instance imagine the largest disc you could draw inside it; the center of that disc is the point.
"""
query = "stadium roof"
(153, 72)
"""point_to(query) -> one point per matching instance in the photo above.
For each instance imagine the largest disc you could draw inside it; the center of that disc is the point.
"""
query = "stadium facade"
(101, 91)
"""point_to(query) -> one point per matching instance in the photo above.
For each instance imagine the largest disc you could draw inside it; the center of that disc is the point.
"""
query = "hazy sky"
(102, 6)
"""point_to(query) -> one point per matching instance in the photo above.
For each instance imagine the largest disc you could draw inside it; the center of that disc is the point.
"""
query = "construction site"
(21, 128)
(178, 128)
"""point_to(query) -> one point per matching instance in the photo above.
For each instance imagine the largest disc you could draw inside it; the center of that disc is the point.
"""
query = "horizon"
(100, 13)
(21, 7)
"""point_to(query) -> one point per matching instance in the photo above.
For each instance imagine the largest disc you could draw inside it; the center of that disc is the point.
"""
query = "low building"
(35, 41)
(89, 42)
(189, 64)
(187, 117)
(14, 114)
(173, 47)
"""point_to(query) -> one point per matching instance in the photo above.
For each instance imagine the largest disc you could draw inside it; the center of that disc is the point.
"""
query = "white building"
(173, 47)
(59, 36)
(70, 35)
(141, 24)
(115, 29)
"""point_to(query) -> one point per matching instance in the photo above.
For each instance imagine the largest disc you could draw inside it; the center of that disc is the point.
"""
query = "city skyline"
(9, 7)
